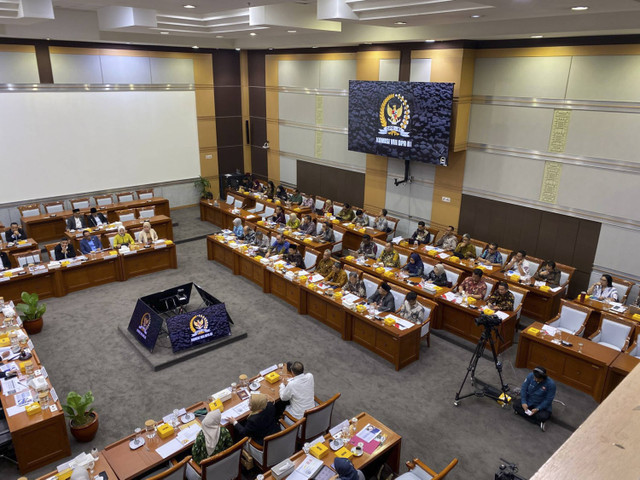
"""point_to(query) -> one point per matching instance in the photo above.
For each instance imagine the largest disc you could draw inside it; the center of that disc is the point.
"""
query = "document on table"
(555, 289)
(171, 417)
(189, 434)
(8, 367)
(404, 324)
(169, 448)
(268, 370)
(450, 296)
(502, 315)
(338, 428)
(368, 433)
(11, 411)
(23, 399)
(549, 330)
(316, 278)
(237, 411)
(443, 255)
(350, 298)
(12, 386)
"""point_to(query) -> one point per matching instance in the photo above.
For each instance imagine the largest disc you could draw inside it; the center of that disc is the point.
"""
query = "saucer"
(134, 446)
(254, 386)
(187, 417)
(336, 444)
(354, 450)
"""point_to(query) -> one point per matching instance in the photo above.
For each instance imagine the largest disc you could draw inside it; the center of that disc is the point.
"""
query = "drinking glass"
(234, 386)
(150, 427)
(580, 345)
(137, 438)
(176, 414)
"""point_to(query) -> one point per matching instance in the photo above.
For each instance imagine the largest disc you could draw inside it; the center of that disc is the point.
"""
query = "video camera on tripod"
(488, 321)
(508, 471)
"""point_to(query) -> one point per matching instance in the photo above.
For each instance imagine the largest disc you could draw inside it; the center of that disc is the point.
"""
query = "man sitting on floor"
(536, 397)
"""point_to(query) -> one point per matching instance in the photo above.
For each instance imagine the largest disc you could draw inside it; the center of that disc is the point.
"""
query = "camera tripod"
(487, 391)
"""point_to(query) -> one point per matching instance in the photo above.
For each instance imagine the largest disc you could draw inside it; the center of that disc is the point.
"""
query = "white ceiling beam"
(117, 18)
(335, 10)
(41, 9)
(291, 16)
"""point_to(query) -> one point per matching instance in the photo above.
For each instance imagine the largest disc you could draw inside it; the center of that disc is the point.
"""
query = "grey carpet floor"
(82, 350)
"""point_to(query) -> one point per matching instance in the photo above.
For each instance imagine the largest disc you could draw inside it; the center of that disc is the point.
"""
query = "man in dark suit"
(64, 250)
(15, 233)
(96, 219)
(89, 243)
(77, 222)
(4, 261)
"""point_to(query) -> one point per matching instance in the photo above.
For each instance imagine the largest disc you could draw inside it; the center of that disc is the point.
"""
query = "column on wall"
(205, 109)
(273, 127)
(244, 96)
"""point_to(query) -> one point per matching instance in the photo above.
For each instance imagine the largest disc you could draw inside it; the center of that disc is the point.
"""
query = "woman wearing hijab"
(437, 276)
(414, 266)
(261, 422)
(212, 439)
(346, 471)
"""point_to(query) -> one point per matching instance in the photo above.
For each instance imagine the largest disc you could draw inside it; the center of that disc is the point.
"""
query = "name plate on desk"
(5, 279)
(40, 271)
(128, 252)
(160, 245)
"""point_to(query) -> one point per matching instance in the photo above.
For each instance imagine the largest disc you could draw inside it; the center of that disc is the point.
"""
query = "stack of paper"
(316, 278)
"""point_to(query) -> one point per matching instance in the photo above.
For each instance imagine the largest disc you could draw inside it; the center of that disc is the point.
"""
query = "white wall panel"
(521, 76)
(171, 70)
(76, 68)
(614, 77)
(335, 74)
(518, 177)
(420, 70)
(335, 111)
(18, 67)
(614, 247)
(603, 191)
(604, 135)
(288, 170)
(413, 199)
(334, 148)
(117, 69)
(389, 69)
(299, 73)
(511, 126)
(297, 140)
(297, 107)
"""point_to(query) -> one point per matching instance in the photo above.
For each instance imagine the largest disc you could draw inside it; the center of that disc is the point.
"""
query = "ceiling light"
(237, 49)
(189, 6)
(195, 47)
(400, 22)
(253, 34)
(536, 36)
(429, 41)
(270, 48)
(476, 16)
(219, 36)
(314, 47)
(579, 9)
(291, 31)
(164, 33)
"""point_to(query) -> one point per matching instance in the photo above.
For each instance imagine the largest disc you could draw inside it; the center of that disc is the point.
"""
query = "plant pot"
(33, 326)
(86, 432)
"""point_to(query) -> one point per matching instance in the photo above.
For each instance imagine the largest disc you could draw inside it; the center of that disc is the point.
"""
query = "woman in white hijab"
(212, 439)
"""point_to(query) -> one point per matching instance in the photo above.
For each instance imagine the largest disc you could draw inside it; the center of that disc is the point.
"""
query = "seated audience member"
(309, 202)
(382, 299)
(249, 235)
(270, 190)
(77, 221)
(148, 235)
(637, 304)
(346, 214)
(296, 197)
(326, 234)
(414, 267)
(279, 246)
(502, 298)
(361, 219)
(293, 222)
(536, 397)
(411, 310)
(122, 238)
(603, 289)
(355, 285)
(212, 439)
(307, 226)
(64, 250)
(97, 219)
(473, 286)
(421, 236)
(89, 243)
(299, 391)
(367, 248)
(346, 471)
(279, 216)
(4, 261)
(15, 233)
(337, 277)
(519, 264)
(327, 207)
(389, 257)
(261, 241)
(448, 241)
(247, 182)
(261, 421)
(294, 257)
(325, 264)
(465, 248)
(548, 273)
(438, 276)
(256, 185)
(381, 223)
(281, 194)
(238, 231)
(491, 254)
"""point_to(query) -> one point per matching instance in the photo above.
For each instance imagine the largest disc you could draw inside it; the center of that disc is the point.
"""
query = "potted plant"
(203, 184)
(83, 420)
(32, 312)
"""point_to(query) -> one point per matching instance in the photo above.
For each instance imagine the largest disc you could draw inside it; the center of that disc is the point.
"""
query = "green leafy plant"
(203, 184)
(77, 408)
(31, 309)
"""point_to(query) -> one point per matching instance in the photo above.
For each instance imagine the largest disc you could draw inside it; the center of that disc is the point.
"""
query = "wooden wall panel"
(257, 112)
(334, 183)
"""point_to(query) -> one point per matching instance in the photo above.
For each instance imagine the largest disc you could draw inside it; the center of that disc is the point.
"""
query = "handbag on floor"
(385, 473)
(246, 460)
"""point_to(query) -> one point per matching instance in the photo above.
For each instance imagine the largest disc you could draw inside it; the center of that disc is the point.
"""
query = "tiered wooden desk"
(538, 305)
(46, 227)
(297, 239)
(41, 438)
(618, 370)
(12, 248)
(599, 308)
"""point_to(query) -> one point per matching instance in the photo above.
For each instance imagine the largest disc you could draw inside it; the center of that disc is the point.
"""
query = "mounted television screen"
(407, 120)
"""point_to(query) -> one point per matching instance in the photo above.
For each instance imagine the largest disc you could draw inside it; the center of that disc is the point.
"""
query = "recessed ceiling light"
(219, 36)
(237, 49)
(536, 36)
(164, 33)
(476, 16)
(270, 48)
(195, 47)
(314, 46)
(400, 22)
(430, 41)
(368, 43)
(253, 34)
(291, 31)
(578, 9)
(189, 6)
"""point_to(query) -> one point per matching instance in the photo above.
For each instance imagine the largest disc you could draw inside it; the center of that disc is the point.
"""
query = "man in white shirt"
(77, 222)
(519, 264)
(299, 392)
